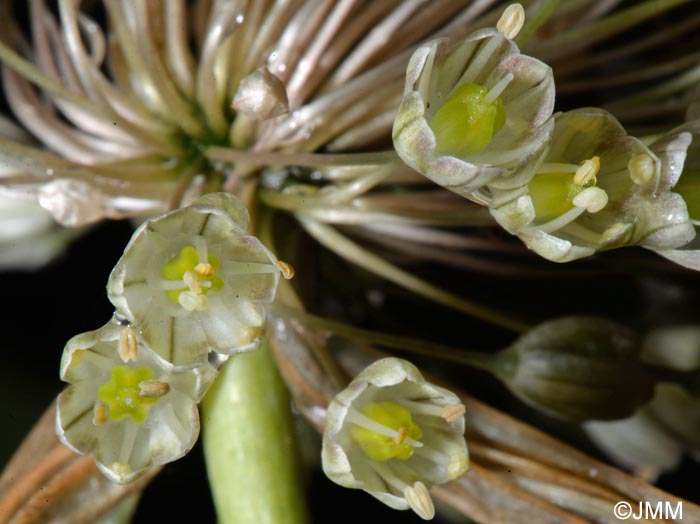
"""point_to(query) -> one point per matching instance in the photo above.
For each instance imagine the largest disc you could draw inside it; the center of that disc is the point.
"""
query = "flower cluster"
(190, 282)
(476, 118)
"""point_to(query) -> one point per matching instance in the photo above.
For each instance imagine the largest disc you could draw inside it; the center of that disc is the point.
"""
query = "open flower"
(394, 435)
(192, 280)
(124, 406)
(475, 111)
(597, 189)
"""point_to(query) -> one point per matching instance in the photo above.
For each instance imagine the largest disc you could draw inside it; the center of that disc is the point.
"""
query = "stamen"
(641, 168)
(127, 346)
(587, 172)
(592, 199)
(192, 301)
(287, 269)
(511, 21)
(200, 244)
(418, 498)
(358, 419)
(453, 412)
(204, 269)
(562, 220)
(496, 90)
(153, 388)
(191, 281)
(100, 415)
(450, 412)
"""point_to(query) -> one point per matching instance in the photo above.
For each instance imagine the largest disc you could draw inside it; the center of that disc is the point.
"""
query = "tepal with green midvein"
(124, 405)
(475, 112)
(193, 281)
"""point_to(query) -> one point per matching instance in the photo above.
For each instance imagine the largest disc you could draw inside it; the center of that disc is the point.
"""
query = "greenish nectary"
(577, 368)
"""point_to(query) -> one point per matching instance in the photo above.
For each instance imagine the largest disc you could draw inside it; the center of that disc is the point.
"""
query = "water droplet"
(239, 19)
(50, 172)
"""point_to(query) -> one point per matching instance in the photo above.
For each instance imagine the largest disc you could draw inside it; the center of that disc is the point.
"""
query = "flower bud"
(578, 368)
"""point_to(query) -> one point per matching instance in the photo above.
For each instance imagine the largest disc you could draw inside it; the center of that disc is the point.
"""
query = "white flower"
(192, 280)
(124, 406)
(597, 189)
(474, 112)
(394, 435)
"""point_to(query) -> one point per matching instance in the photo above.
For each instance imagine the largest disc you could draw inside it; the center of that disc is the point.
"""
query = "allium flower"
(124, 406)
(192, 280)
(394, 435)
(597, 189)
(474, 111)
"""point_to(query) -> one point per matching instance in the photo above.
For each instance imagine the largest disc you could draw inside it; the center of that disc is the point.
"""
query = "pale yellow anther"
(153, 388)
(511, 21)
(193, 301)
(453, 412)
(99, 417)
(641, 168)
(204, 269)
(592, 199)
(287, 269)
(587, 172)
(192, 282)
(418, 498)
(127, 346)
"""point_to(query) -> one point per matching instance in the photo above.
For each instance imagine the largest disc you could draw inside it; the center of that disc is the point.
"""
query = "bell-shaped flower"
(596, 189)
(475, 112)
(394, 435)
(192, 280)
(124, 406)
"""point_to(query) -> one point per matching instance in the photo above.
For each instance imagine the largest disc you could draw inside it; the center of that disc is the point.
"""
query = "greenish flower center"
(123, 394)
(467, 121)
(390, 433)
(554, 188)
(196, 276)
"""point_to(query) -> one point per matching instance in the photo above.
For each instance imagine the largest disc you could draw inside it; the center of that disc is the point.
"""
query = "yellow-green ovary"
(466, 122)
(381, 447)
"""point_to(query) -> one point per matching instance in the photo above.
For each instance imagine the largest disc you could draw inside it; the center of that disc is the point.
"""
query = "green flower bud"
(577, 368)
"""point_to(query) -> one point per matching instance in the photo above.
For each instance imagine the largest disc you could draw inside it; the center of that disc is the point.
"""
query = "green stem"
(413, 345)
(249, 444)
(351, 251)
